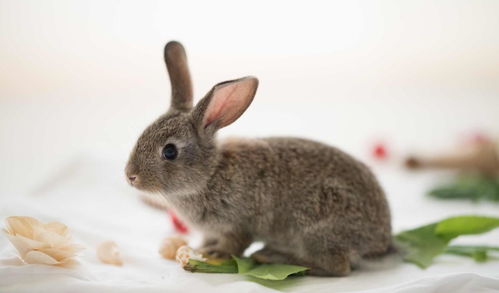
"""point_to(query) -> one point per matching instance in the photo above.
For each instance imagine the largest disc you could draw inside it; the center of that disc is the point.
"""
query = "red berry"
(379, 151)
(177, 224)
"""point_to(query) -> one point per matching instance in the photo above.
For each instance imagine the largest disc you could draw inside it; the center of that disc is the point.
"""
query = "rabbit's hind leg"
(328, 258)
(333, 263)
(336, 263)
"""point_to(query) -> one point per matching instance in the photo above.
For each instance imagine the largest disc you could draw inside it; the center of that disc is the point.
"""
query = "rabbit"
(309, 203)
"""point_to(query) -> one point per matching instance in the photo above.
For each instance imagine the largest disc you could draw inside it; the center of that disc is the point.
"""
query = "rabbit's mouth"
(139, 183)
(135, 179)
(144, 187)
(135, 182)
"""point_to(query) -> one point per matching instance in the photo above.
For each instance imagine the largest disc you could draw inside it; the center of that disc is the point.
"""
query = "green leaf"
(422, 245)
(227, 266)
(465, 225)
(248, 266)
(274, 272)
(478, 253)
(244, 264)
(469, 187)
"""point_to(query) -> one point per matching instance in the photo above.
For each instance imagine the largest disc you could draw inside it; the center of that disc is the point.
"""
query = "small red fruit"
(379, 151)
(177, 224)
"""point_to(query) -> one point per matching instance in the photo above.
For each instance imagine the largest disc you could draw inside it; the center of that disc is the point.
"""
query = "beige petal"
(57, 227)
(68, 262)
(21, 226)
(51, 238)
(37, 257)
(108, 253)
(24, 245)
(170, 245)
(185, 253)
(59, 254)
(72, 247)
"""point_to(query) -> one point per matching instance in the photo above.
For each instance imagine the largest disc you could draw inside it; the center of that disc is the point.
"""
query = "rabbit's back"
(293, 186)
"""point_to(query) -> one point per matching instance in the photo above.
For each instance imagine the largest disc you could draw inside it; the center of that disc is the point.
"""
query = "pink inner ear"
(228, 102)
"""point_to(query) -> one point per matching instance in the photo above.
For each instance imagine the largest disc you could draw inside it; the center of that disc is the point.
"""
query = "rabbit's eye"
(169, 152)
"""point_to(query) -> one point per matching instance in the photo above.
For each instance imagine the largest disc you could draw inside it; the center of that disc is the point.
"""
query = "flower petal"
(57, 227)
(24, 245)
(51, 238)
(21, 226)
(57, 254)
(170, 245)
(60, 253)
(68, 262)
(37, 257)
(185, 253)
(108, 253)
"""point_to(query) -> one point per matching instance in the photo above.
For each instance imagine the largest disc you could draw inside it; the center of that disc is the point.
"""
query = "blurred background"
(81, 77)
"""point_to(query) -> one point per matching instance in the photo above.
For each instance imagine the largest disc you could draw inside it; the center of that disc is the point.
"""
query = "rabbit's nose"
(132, 179)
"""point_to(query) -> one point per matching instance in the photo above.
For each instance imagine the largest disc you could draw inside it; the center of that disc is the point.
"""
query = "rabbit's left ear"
(225, 103)
(180, 79)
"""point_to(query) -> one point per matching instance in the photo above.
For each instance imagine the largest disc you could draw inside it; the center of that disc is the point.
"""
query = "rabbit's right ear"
(180, 79)
(224, 104)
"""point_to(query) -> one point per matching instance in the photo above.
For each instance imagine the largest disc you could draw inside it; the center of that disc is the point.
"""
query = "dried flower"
(39, 243)
(108, 253)
(185, 253)
(170, 246)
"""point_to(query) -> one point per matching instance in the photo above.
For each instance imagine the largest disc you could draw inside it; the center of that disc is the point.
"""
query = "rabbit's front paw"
(225, 245)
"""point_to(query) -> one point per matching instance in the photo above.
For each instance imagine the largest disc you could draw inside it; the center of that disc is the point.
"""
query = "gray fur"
(310, 203)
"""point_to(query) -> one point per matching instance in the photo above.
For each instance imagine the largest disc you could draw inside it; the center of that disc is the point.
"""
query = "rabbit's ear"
(225, 103)
(180, 79)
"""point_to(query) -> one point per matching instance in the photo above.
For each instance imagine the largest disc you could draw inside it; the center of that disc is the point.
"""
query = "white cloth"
(91, 197)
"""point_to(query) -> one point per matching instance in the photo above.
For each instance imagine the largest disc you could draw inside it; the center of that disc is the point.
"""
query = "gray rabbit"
(310, 203)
